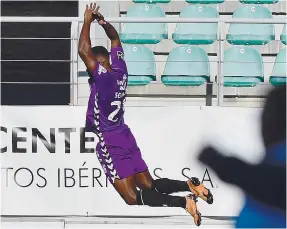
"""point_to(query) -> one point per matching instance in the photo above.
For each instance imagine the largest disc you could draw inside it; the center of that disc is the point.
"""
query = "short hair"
(97, 50)
(273, 122)
(100, 50)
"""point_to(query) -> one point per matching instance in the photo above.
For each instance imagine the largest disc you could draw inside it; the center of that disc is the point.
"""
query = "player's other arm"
(110, 31)
(112, 35)
(84, 46)
(117, 52)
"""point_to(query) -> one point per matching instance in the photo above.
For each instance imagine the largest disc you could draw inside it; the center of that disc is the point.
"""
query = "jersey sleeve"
(117, 59)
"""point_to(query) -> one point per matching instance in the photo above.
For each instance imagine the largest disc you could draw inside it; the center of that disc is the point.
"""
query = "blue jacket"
(257, 215)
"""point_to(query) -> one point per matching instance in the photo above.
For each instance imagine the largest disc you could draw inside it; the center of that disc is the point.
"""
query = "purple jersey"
(108, 92)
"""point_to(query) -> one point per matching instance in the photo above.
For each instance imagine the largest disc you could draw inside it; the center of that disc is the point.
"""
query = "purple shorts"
(119, 155)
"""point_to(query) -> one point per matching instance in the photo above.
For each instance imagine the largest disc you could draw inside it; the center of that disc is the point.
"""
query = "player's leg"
(117, 165)
(143, 178)
(126, 187)
(168, 186)
(164, 185)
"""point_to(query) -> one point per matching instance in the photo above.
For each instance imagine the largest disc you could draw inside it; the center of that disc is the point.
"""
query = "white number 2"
(115, 112)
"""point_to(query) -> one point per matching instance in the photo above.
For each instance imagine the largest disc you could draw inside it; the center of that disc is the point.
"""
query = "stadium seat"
(204, 1)
(140, 63)
(258, 1)
(144, 33)
(186, 66)
(251, 34)
(151, 1)
(195, 33)
(243, 67)
(283, 36)
(279, 74)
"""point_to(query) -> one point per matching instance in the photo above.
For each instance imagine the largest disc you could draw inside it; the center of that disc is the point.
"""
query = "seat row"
(210, 1)
(199, 33)
(189, 66)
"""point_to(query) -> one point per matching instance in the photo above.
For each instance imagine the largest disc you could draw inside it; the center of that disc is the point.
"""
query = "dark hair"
(100, 50)
(97, 50)
(274, 117)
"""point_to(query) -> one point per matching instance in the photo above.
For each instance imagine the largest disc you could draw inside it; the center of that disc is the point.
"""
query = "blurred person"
(264, 184)
(117, 149)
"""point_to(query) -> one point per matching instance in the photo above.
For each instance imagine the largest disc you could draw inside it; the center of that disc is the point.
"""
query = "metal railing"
(75, 31)
(147, 20)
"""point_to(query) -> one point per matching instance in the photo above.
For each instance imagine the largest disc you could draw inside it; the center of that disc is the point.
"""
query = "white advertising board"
(48, 167)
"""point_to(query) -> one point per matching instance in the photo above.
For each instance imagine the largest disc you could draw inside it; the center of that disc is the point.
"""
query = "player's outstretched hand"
(99, 17)
(89, 13)
(92, 13)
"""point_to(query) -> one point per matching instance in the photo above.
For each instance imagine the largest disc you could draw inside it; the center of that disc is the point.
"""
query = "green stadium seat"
(144, 33)
(283, 36)
(258, 1)
(243, 67)
(186, 66)
(141, 65)
(251, 34)
(151, 1)
(279, 74)
(196, 33)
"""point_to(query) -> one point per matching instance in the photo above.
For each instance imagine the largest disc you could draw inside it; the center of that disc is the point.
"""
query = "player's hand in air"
(89, 13)
(99, 17)
(92, 13)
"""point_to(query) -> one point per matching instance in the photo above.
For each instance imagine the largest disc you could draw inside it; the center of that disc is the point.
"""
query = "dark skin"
(85, 47)
(125, 187)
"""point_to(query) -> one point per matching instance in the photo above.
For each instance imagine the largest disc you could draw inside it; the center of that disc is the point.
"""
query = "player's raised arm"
(117, 52)
(112, 34)
(84, 46)
(110, 31)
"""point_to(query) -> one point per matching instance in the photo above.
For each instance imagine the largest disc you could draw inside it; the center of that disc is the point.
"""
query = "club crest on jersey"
(101, 70)
(120, 55)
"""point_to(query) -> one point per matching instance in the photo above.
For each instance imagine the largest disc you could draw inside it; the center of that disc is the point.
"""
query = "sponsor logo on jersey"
(120, 55)
(101, 70)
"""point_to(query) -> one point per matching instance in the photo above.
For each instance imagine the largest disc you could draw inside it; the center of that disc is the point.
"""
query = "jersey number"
(118, 105)
(115, 112)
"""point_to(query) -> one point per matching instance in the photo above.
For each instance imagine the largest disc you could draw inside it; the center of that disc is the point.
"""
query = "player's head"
(101, 54)
(274, 117)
